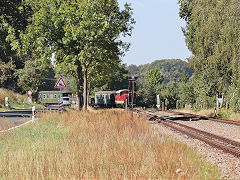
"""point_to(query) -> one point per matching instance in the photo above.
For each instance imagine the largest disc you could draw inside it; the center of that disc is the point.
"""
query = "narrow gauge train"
(52, 97)
(105, 98)
(113, 98)
(101, 98)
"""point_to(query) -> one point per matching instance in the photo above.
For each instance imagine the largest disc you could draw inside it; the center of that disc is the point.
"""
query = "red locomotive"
(123, 96)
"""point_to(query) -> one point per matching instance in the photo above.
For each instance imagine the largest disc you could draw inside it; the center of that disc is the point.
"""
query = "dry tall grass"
(102, 145)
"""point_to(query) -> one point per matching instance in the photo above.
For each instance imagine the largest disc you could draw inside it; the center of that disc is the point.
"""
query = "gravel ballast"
(228, 164)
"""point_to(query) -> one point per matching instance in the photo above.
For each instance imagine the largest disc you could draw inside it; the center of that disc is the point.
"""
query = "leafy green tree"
(169, 94)
(186, 94)
(153, 80)
(212, 34)
(82, 34)
(114, 79)
(33, 75)
(6, 72)
(13, 18)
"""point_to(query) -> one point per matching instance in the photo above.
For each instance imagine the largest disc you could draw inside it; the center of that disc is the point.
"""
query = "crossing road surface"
(12, 118)
(16, 117)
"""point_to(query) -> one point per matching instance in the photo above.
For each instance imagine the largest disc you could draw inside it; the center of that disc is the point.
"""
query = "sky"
(157, 33)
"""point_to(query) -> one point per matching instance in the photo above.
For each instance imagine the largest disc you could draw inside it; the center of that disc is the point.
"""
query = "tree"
(6, 71)
(153, 80)
(168, 94)
(82, 33)
(32, 76)
(212, 34)
(113, 79)
(13, 18)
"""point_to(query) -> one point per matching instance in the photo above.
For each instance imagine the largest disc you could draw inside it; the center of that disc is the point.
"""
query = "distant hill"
(170, 69)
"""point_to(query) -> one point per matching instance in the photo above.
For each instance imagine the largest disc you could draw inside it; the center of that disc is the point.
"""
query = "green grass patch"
(15, 101)
(97, 145)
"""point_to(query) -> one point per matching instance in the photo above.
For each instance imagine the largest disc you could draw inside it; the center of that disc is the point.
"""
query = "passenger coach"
(52, 97)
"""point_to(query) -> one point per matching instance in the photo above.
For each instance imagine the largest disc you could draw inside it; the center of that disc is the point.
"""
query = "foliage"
(83, 34)
(153, 79)
(212, 34)
(6, 71)
(13, 19)
(13, 98)
(169, 94)
(32, 76)
(170, 69)
(115, 79)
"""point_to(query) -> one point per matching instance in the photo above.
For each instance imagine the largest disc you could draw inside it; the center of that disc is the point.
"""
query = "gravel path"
(228, 164)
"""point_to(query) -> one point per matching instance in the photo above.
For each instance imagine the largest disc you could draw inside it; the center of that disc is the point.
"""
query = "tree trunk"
(88, 94)
(85, 90)
(79, 80)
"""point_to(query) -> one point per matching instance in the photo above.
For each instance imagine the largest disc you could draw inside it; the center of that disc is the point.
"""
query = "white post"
(33, 113)
(30, 99)
(6, 101)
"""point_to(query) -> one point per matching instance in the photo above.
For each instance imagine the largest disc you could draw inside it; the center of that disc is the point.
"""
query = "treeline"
(169, 78)
(213, 36)
(84, 37)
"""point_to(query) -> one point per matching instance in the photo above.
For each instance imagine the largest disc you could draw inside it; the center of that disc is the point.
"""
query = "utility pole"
(132, 88)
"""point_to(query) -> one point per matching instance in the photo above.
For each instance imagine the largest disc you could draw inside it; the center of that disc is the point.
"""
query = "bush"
(13, 98)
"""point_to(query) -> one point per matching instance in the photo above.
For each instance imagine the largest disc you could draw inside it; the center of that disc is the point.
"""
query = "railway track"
(219, 142)
(205, 117)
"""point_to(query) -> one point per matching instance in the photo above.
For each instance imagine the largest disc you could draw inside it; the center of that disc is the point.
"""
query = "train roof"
(105, 92)
(119, 91)
(56, 92)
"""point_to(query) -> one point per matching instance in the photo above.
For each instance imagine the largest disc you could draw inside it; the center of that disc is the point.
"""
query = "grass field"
(102, 145)
(15, 100)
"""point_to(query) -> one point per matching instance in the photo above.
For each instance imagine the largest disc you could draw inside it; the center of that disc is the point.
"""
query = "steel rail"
(235, 143)
(204, 139)
(207, 118)
(169, 123)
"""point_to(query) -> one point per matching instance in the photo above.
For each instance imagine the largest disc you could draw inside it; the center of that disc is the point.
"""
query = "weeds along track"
(205, 117)
(219, 142)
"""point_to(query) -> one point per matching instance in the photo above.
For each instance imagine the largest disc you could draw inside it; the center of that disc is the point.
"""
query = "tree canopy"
(83, 34)
(212, 35)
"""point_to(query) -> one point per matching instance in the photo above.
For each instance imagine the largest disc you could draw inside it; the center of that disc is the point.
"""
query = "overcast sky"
(157, 33)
